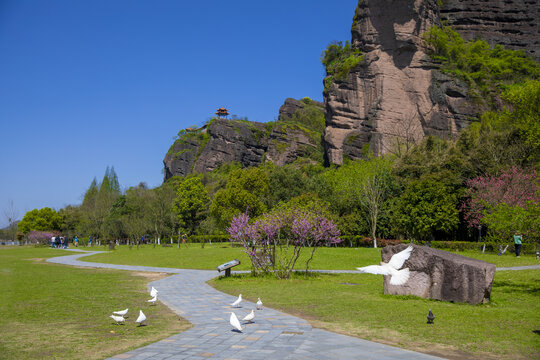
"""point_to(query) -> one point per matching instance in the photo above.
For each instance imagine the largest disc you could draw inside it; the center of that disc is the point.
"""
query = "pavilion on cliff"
(222, 112)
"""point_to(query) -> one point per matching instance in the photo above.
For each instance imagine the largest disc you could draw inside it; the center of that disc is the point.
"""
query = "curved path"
(273, 335)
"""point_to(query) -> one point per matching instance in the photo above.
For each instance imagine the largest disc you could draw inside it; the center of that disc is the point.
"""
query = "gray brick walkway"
(273, 335)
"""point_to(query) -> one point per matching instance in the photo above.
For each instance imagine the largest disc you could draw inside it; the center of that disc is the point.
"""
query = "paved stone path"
(273, 335)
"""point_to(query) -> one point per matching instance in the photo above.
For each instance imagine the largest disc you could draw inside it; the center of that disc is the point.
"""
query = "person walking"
(517, 242)
(76, 241)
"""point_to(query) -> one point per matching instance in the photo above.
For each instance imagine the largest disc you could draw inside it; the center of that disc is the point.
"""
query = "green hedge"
(526, 248)
(207, 238)
(362, 241)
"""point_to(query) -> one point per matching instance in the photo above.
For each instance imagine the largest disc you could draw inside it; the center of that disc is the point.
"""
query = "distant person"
(53, 242)
(89, 241)
(517, 242)
(76, 241)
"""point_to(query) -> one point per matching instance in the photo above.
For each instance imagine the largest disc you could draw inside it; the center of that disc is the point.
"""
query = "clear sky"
(90, 84)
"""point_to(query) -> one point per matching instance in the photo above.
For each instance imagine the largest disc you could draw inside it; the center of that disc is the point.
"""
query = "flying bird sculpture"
(153, 300)
(249, 317)
(259, 304)
(141, 318)
(235, 323)
(153, 292)
(237, 302)
(397, 277)
(121, 312)
(118, 319)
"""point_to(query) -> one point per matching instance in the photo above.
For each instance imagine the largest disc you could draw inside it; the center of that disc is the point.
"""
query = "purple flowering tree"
(41, 237)
(274, 242)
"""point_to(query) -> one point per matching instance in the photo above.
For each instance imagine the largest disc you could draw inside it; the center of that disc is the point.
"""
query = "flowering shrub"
(41, 237)
(504, 203)
(275, 240)
(513, 187)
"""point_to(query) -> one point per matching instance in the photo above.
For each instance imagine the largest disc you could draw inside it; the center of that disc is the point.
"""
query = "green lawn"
(507, 328)
(52, 311)
(55, 311)
(194, 256)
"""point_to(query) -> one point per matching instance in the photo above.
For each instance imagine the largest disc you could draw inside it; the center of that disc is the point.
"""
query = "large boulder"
(441, 275)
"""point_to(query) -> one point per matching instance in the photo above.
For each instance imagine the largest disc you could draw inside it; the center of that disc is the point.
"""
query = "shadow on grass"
(505, 286)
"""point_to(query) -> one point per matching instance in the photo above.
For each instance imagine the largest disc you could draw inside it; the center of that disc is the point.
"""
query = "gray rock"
(441, 275)
(511, 23)
(248, 143)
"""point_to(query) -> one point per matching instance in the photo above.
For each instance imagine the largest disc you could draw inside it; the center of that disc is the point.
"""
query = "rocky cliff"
(296, 134)
(512, 23)
(396, 94)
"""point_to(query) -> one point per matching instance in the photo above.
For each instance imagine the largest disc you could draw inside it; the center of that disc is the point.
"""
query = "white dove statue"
(153, 292)
(259, 304)
(118, 319)
(249, 317)
(141, 318)
(153, 300)
(237, 302)
(235, 323)
(121, 312)
(398, 277)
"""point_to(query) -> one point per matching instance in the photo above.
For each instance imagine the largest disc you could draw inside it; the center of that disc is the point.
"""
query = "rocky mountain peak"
(396, 93)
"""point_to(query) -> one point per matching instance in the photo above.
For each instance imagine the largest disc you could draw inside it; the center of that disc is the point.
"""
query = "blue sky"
(90, 84)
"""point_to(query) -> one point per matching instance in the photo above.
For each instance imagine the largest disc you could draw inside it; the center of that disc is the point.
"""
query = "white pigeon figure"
(237, 302)
(398, 277)
(153, 292)
(235, 323)
(249, 317)
(141, 318)
(153, 300)
(118, 319)
(259, 304)
(121, 312)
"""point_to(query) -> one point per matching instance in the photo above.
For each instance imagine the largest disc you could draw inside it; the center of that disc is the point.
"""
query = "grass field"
(195, 257)
(60, 312)
(51, 311)
(507, 328)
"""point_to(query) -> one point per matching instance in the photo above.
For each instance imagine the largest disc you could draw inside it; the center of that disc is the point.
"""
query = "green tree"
(359, 191)
(246, 189)
(40, 220)
(285, 182)
(425, 207)
(71, 220)
(504, 220)
(135, 219)
(191, 203)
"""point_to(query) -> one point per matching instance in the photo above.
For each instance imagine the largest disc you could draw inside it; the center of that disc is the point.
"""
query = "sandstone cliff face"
(248, 143)
(512, 23)
(397, 94)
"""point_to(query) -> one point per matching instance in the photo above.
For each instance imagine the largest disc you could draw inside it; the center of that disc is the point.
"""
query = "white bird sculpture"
(153, 292)
(237, 302)
(141, 318)
(121, 312)
(118, 319)
(259, 304)
(249, 317)
(234, 322)
(398, 277)
(153, 300)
